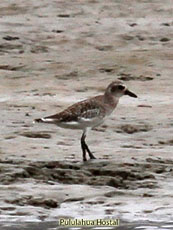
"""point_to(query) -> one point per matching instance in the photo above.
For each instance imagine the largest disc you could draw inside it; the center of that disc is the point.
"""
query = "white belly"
(82, 123)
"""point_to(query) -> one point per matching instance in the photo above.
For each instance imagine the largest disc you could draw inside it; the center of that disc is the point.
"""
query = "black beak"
(127, 92)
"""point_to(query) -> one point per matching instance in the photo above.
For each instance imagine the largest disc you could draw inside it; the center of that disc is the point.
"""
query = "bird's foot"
(84, 159)
(92, 156)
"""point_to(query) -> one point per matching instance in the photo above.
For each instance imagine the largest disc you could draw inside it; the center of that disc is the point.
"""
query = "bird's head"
(118, 89)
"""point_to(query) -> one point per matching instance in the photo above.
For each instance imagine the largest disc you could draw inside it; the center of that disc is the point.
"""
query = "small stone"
(147, 195)
(128, 37)
(165, 24)
(133, 24)
(165, 39)
(10, 38)
(63, 15)
(36, 135)
(58, 31)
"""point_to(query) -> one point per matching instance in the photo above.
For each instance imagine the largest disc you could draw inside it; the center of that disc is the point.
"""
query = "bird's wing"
(87, 109)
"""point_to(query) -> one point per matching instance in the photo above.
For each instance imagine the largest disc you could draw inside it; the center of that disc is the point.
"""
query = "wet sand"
(57, 53)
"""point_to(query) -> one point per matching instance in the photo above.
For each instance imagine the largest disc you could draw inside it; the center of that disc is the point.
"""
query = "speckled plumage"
(90, 112)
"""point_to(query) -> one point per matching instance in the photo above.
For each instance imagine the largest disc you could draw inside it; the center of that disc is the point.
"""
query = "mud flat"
(59, 52)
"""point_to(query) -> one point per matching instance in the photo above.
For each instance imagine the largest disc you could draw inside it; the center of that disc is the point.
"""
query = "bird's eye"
(121, 87)
(114, 88)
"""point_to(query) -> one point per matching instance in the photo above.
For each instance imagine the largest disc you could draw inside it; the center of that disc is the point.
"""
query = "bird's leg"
(89, 152)
(85, 148)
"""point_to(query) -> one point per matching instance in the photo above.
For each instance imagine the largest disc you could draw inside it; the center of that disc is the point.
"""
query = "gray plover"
(89, 113)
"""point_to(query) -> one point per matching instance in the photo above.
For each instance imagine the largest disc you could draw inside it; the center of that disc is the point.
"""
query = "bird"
(89, 113)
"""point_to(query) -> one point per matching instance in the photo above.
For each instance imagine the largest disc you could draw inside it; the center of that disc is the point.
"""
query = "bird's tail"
(39, 120)
(44, 120)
